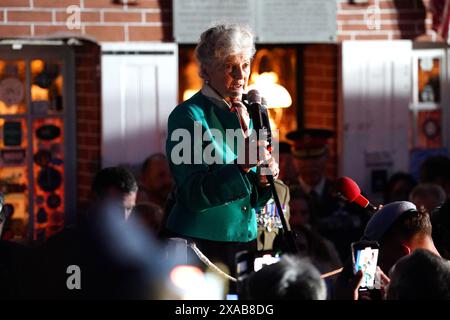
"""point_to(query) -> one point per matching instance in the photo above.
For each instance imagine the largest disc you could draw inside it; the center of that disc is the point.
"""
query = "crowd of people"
(139, 229)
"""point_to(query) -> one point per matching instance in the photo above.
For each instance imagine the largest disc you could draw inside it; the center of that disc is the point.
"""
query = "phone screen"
(366, 260)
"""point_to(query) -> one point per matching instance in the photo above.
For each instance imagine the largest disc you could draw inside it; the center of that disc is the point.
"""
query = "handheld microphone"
(261, 124)
(350, 191)
(259, 115)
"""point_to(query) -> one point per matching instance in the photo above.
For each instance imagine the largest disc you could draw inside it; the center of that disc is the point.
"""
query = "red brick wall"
(149, 20)
(398, 19)
(88, 104)
(320, 92)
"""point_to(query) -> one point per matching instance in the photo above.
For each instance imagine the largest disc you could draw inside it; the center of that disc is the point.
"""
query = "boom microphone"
(350, 191)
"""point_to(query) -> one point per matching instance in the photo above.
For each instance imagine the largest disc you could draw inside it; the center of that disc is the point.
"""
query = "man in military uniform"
(338, 221)
(288, 174)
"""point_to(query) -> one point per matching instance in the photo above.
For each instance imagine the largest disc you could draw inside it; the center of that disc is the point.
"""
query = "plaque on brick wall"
(273, 21)
(192, 17)
(296, 21)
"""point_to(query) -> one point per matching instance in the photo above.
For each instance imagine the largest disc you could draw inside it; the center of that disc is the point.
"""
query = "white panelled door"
(139, 90)
(376, 88)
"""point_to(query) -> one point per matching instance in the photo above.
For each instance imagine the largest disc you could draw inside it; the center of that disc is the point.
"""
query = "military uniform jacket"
(214, 201)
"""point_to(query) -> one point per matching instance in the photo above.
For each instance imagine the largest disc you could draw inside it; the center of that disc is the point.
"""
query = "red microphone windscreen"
(350, 190)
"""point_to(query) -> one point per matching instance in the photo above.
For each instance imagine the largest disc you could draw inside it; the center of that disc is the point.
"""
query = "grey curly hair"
(221, 41)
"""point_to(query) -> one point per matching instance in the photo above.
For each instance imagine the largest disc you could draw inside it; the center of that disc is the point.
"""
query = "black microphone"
(259, 115)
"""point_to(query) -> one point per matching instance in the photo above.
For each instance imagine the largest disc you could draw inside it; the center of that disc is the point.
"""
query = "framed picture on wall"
(429, 131)
(428, 72)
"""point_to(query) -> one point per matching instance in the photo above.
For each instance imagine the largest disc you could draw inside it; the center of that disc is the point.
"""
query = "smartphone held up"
(365, 258)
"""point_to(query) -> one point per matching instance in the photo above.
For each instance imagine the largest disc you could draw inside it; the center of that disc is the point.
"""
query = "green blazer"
(214, 201)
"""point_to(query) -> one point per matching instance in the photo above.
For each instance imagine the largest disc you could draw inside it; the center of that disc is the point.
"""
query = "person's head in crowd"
(301, 208)
(310, 151)
(427, 196)
(436, 169)
(440, 220)
(220, 50)
(118, 185)
(291, 278)
(155, 179)
(288, 173)
(320, 250)
(422, 275)
(399, 228)
(148, 214)
(398, 187)
(121, 259)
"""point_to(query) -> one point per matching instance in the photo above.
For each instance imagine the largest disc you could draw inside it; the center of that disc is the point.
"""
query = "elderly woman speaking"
(217, 195)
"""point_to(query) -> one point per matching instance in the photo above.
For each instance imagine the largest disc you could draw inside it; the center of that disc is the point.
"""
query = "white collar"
(215, 98)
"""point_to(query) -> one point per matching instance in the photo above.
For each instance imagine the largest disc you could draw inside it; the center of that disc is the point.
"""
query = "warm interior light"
(186, 277)
(37, 66)
(275, 94)
(190, 76)
(189, 93)
(192, 284)
(38, 93)
(11, 109)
